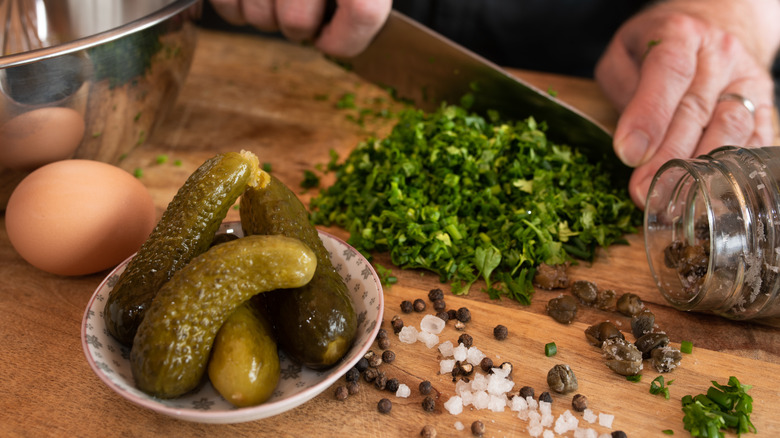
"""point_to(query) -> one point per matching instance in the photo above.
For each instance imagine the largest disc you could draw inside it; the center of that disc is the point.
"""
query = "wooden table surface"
(279, 101)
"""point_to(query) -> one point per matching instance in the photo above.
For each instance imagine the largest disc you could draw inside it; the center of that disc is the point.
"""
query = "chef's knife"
(420, 65)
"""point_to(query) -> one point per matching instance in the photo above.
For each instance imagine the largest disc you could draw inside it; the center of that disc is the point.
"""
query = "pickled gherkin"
(185, 230)
(314, 324)
(171, 348)
(244, 365)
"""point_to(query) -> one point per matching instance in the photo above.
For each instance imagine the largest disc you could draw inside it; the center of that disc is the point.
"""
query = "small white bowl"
(297, 385)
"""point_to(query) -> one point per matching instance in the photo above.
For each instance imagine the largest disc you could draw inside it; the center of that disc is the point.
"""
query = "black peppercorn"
(526, 391)
(464, 315)
(362, 364)
(444, 316)
(425, 387)
(419, 305)
(486, 364)
(407, 306)
(465, 368)
(619, 434)
(545, 397)
(466, 340)
(439, 305)
(397, 323)
(369, 375)
(341, 393)
(381, 334)
(477, 428)
(383, 343)
(381, 381)
(352, 375)
(579, 402)
(384, 406)
(428, 404)
(374, 360)
(452, 313)
(428, 431)
(460, 326)
(500, 332)
(435, 294)
(353, 388)
(392, 385)
(388, 356)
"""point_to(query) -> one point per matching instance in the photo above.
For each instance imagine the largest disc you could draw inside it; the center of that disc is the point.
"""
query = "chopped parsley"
(657, 387)
(636, 378)
(471, 197)
(310, 180)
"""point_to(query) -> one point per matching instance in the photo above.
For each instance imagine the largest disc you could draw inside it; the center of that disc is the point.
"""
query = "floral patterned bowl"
(297, 385)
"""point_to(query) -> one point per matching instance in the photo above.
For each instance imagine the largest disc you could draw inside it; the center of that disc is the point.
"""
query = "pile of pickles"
(190, 306)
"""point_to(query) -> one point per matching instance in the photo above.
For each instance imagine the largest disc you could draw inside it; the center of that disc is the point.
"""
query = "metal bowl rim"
(162, 14)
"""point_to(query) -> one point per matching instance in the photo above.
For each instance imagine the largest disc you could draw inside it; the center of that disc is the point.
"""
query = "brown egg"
(77, 217)
(39, 137)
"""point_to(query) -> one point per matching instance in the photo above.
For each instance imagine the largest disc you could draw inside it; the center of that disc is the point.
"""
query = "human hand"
(354, 23)
(666, 72)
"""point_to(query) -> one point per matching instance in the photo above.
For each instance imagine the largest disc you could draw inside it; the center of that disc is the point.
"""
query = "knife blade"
(423, 66)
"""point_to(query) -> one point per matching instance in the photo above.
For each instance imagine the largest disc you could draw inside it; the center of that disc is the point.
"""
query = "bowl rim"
(156, 17)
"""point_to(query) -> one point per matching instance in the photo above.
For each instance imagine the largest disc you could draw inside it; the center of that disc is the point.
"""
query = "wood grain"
(279, 101)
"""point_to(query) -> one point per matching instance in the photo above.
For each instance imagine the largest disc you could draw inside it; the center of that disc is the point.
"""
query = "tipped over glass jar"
(712, 233)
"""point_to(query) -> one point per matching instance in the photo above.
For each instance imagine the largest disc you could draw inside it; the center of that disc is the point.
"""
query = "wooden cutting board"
(280, 101)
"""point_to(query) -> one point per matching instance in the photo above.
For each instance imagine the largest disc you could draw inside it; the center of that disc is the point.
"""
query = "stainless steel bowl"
(86, 78)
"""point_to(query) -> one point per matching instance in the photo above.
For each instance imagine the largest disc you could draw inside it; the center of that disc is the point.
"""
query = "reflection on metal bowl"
(87, 78)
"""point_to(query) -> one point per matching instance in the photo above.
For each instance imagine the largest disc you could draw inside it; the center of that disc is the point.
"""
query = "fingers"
(353, 26)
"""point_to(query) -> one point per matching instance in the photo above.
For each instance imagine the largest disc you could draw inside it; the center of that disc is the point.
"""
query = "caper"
(649, 342)
(551, 277)
(665, 359)
(642, 323)
(606, 299)
(630, 304)
(622, 356)
(598, 333)
(585, 291)
(562, 309)
(561, 379)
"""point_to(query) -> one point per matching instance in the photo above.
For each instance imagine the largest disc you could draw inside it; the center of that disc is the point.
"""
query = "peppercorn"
(397, 323)
(579, 402)
(506, 367)
(381, 334)
(352, 375)
(407, 306)
(444, 316)
(383, 343)
(466, 340)
(439, 305)
(384, 406)
(464, 315)
(388, 356)
(619, 434)
(392, 385)
(500, 332)
(341, 393)
(477, 428)
(435, 294)
(374, 360)
(486, 364)
(380, 381)
(526, 391)
(419, 305)
(428, 431)
(425, 387)
(428, 404)
(545, 397)
(452, 313)
(369, 375)
(362, 364)
(460, 326)
(353, 388)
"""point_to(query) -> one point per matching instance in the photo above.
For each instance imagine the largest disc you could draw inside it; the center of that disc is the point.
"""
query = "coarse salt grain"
(499, 385)
(518, 404)
(535, 430)
(408, 335)
(545, 408)
(446, 366)
(403, 391)
(429, 339)
(460, 352)
(497, 403)
(548, 434)
(454, 405)
(445, 348)
(481, 399)
(606, 420)
(462, 386)
(566, 422)
(589, 416)
(585, 433)
(479, 382)
(432, 324)
(467, 396)
(532, 403)
(459, 425)
(475, 356)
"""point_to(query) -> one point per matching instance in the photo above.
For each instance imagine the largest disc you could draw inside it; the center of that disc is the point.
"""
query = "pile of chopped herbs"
(722, 407)
(471, 197)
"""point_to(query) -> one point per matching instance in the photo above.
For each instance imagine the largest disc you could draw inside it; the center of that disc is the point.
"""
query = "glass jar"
(712, 233)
